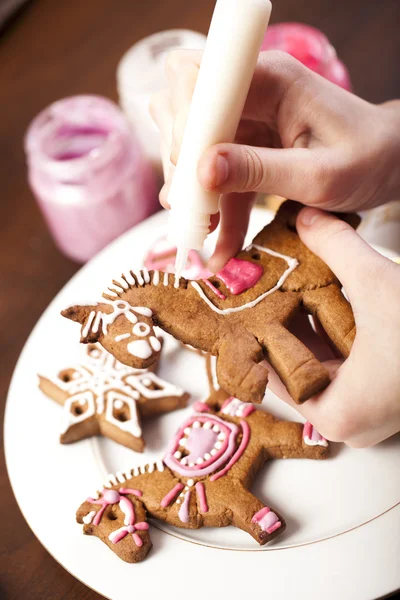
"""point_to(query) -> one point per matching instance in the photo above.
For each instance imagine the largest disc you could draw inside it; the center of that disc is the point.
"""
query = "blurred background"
(53, 49)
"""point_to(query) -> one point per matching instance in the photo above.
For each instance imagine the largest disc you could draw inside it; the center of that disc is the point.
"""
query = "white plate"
(343, 514)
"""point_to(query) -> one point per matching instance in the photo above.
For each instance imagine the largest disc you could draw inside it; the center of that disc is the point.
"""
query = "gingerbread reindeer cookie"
(103, 396)
(241, 315)
(204, 477)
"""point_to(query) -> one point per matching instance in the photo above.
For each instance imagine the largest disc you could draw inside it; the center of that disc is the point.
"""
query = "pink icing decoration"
(208, 466)
(312, 434)
(137, 539)
(126, 506)
(226, 402)
(307, 430)
(267, 520)
(240, 275)
(238, 453)
(184, 509)
(201, 494)
(200, 442)
(162, 257)
(214, 289)
(166, 501)
(201, 407)
(130, 491)
(248, 410)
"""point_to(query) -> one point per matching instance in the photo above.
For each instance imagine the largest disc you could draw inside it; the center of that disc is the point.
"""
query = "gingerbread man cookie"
(241, 315)
(204, 477)
(103, 396)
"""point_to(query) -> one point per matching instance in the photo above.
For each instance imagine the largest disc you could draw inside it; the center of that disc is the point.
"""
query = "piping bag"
(230, 56)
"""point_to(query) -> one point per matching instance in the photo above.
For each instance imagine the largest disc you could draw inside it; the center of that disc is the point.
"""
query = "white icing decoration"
(118, 404)
(146, 275)
(110, 292)
(123, 336)
(132, 424)
(292, 264)
(155, 343)
(69, 419)
(141, 329)
(156, 277)
(122, 283)
(166, 389)
(213, 369)
(140, 349)
(310, 442)
(89, 517)
(190, 482)
(139, 277)
(143, 310)
(86, 328)
(129, 278)
(165, 279)
(160, 465)
(235, 408)
(120, 477)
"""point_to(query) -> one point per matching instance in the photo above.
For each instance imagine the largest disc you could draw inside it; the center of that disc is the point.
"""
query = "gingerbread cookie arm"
(335, 315)
(295, 440)
(238, 368)
(296, 365)
(250, 514)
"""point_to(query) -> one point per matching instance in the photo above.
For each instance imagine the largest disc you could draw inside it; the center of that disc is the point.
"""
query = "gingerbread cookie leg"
(295, 440)
(296, 365)
(250, 515)
(238, 368)
(335, 315)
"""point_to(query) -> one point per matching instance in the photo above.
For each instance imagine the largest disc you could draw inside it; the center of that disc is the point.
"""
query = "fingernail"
(221, 170)
(308, 216)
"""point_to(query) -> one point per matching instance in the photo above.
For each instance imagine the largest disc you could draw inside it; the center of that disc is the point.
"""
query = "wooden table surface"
(54, 49)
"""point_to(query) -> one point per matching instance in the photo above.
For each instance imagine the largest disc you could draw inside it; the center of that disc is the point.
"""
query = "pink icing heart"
(240, 275)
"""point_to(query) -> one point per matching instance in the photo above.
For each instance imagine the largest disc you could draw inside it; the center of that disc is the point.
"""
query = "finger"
(239, 168)
(161, 112)
(164, 192)
(354, 262)
(177, 59)
(234, 213)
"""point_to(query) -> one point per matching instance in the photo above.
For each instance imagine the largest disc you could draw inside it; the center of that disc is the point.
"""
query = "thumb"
(354, 262)
(286, 172)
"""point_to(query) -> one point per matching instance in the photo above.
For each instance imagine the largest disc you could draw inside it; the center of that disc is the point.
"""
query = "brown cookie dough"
(241, 315)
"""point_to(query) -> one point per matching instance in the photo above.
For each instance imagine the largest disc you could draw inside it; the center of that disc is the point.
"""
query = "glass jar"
(88, 174)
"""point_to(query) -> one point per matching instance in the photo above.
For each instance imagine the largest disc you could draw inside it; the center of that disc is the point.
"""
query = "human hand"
(361, 406)
(300, 137)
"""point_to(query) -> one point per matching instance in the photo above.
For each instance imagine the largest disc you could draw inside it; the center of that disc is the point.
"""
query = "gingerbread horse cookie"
(103, 396)
(203, 479)
(241, 315)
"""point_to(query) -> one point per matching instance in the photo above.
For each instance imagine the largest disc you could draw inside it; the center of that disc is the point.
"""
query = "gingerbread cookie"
(241, 315)
(104, 397)
(204, 477)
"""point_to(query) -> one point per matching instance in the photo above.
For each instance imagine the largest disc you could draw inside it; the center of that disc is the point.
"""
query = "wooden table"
(54, 49)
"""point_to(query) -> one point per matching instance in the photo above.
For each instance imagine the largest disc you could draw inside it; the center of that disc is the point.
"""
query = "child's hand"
(361, 406)
(301, 137)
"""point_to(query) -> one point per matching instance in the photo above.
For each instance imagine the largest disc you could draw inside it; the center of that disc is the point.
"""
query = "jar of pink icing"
(88, 174)
(311, 47)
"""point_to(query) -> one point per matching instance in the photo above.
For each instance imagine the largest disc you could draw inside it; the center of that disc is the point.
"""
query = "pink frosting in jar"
(88, 174)
(311, 47)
